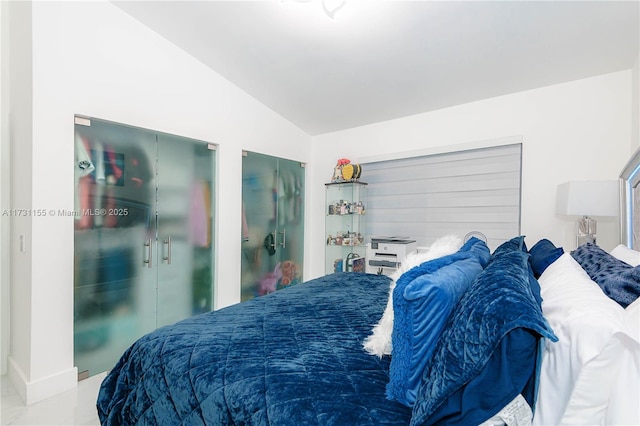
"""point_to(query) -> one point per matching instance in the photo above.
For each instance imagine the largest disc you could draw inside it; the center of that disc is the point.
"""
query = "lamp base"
(586, 231)
(584, 239)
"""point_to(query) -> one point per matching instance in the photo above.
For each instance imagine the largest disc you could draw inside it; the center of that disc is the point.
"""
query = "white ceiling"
(380, 60)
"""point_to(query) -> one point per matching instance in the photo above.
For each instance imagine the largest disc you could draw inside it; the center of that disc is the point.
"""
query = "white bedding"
(624, 403)
(624, 253)
(591, 375)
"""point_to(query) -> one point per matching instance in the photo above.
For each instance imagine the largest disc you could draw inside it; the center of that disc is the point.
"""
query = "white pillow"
(624, 406)
(579, 371)
(379, 342)
(632, 314)
(626, 254)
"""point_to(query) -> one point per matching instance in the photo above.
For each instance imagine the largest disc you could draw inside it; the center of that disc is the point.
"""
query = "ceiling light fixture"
(330, 7)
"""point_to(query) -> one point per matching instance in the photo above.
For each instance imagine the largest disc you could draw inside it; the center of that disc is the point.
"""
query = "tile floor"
(74, 407)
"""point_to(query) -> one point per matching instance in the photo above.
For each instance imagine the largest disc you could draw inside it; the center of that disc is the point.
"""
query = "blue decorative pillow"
(494, 328)
(514, 244)
(543, 254)
(423, 300)
(617, 279)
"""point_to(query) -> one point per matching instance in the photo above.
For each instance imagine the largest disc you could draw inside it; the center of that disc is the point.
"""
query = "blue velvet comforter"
(293, 357)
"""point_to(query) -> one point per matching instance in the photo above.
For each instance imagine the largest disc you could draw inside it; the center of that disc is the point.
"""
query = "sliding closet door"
(185, 227)
(143, 236)
(291, 220)
(272, 223)
(114, 216)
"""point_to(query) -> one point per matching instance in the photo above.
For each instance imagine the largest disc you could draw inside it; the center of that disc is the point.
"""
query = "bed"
(290, 357)
(526, 334)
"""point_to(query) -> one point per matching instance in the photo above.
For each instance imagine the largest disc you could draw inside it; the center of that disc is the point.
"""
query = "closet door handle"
(148, 261)
(167, 245)
(283, 244)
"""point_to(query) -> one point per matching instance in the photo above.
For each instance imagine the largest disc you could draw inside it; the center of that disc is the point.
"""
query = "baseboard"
(37, 390)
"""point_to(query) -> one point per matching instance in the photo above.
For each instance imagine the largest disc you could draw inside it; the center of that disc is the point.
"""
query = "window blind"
(426, 197)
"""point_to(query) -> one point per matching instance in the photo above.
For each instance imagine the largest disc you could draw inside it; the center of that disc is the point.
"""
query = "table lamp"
(587, 199)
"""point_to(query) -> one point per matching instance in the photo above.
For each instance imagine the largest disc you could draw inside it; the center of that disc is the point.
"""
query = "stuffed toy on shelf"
(337, 170)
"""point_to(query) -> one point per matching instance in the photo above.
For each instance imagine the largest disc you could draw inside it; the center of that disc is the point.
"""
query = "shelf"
(345, 210)
(342, 182)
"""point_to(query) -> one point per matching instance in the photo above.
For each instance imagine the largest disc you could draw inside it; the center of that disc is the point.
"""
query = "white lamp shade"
(588, 198)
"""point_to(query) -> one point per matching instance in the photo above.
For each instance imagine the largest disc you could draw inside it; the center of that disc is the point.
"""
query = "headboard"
(630, 203)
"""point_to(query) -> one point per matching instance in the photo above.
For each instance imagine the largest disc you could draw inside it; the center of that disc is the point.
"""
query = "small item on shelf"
(359, 264)
(337, 265)
(337, 170)
(347, 172)
(349, 261)
(351, 172)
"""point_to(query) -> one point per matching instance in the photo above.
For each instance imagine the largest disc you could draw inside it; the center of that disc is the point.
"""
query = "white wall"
(20, 133)
(4, 187)
(91, 58)
(573, 131)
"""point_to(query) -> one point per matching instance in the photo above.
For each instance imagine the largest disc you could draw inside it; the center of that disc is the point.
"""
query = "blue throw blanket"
(471, 375)
(293, 357)
(617, 279)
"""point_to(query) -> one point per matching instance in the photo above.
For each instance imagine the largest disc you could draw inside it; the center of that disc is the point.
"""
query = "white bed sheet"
(585, 376)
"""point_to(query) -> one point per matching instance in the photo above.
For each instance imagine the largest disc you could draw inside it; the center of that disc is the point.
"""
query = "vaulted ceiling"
(380, 60)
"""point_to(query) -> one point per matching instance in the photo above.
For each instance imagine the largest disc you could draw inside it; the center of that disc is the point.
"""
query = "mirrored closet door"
(143, 236)
(272, 223)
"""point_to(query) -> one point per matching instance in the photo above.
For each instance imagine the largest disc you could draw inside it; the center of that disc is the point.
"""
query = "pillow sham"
(379, 342)
(487, 352)
(623, 404)
(619, 280)
(543, 253)
(422, 301)
(578, 371)
(626, 254)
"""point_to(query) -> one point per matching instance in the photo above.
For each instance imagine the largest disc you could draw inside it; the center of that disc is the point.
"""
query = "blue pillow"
(514, 244)
(423, 300)
(543, 254)
(488, 351)
(617, 279)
